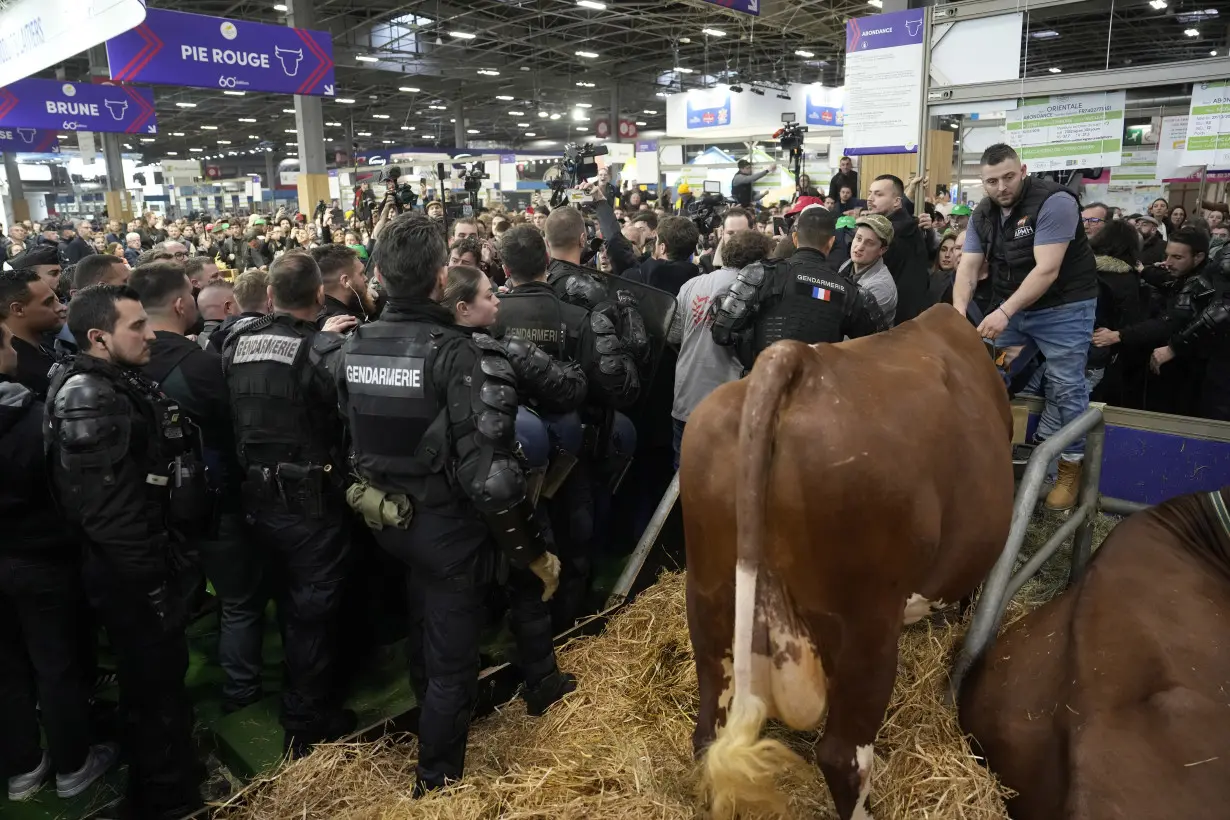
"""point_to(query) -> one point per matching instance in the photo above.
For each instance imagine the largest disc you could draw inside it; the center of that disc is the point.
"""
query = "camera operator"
(744, 179)
(736, 220)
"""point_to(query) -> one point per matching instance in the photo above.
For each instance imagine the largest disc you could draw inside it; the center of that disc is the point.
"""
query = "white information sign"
(1138, 167)
(37, 34)
(884, 79)
(1208, 125)
(1069, 131)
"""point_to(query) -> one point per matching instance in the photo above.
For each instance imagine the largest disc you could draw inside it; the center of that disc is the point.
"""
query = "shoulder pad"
(487, 344)
(86, 394)
(326, 342)
(755, 273)
(1198, 286)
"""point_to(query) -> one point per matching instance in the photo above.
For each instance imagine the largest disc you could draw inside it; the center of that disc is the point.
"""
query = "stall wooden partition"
(939, 164)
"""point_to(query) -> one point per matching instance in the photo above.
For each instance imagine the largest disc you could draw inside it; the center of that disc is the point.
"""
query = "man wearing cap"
(1044, 280)
(802, 298)
(1152, 245)
(960, 214)
(744, 179)
(872, 236)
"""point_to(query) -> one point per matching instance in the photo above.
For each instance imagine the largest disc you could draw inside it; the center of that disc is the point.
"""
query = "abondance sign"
(37, 34)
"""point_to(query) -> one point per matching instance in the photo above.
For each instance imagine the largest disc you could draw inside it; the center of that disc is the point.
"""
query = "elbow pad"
(1204, 326)
(632, 330)
(516, 532)
(585, 290)
(483, 412)
(551, 383)
(615, 379)
(736, 307)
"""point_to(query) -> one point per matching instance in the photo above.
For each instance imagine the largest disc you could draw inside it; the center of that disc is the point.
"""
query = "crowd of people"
(291, 408)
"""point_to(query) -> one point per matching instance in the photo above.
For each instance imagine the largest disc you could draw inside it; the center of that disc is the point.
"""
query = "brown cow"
(869, 478)
(1113, 700)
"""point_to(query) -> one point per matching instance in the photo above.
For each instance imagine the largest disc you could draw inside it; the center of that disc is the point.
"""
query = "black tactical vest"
(537, 314)
(398, 415)
(801, 299)
(1009, 248)
(268, 364)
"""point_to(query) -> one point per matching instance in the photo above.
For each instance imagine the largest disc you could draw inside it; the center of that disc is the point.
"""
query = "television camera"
(709, 210)
(790, 138)
(401, 194)
(575, 166)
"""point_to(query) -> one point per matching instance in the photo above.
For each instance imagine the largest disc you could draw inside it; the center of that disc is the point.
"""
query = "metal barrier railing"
(1002, 584)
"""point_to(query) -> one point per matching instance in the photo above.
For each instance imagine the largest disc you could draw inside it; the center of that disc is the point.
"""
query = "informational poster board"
(1208, 125)
(1069, 131)
(884, 80)
(1138, 167)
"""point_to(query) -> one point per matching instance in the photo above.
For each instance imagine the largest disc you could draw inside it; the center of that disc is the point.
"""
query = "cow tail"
(740, 767)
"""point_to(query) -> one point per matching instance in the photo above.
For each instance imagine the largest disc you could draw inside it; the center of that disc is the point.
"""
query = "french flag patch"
(823, 294)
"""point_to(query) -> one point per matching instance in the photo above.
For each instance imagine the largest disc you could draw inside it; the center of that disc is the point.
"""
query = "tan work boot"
(1063, 495)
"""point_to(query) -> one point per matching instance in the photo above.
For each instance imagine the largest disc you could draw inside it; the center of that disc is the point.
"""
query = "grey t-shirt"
(703, 364)
(1057, 221)
(877, 281)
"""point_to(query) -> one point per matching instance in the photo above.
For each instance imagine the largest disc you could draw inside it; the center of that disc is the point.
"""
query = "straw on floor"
(620, 747)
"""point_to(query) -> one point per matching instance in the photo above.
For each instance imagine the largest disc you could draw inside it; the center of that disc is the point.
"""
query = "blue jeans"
(678, 438)
(1063, 335)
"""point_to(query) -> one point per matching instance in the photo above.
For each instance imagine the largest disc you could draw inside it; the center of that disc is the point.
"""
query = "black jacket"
(74, 250)
(1152, 250)
(909, 263)
(32, 523)
(840, 181)
(1119, 303)
(336, 307)
(664, 274)
(34, 363)
(217, 339)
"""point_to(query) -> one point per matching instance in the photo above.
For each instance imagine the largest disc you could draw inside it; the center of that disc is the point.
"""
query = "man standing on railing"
(1045, 286)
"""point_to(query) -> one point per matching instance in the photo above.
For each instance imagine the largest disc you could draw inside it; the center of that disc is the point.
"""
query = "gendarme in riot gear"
(800, 298)
(432, 409)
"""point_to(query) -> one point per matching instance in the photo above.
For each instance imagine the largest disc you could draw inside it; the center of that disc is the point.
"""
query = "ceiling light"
(363, 133)
(555, 116)
(489, 72)
(209, 128)
(224, 142)
(590, 55)
(438, 107)
(290, 143)
(661, 94)
(387, 142)
(186, 105)
(579, 115)
(523, 125)
(649, 111)
(505, 97)
(685, 39)
(877, 3)
(127, 146)
(172, 154)
(291, 131)
(1213, 53)
(641, 124)
(759, 92)
(380, 116)
(196, 150)
(683, 70)
(173, 133)
(334, 124)
(516, 113)
(713, 32)
(582, 127)
(247, 119)
(462, 35)
(1158, 4)
(1192, 32)
(783, 96)
(409, 89)
(803, 53)
(367, 58)
(407, 128)
(1044, 34)
(235, 93)
(147, 139)
(253, 137)
(543, 114)
(592, 4)
(1055, 70)
(585, 105)
(343, 100)
(530, 134)
(583, 84)
(471, 130)
(452, 120)
(279, 7)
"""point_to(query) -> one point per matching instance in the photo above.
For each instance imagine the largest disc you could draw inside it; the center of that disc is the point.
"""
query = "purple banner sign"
(58, 106)
(31, 140)
(177, 48)
(896, 28)
(746, 6)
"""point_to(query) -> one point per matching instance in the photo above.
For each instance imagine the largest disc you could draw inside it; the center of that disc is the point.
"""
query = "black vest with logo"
(1009, 248)
(397, 413)
(535, 312)
(269, 365)
(803, 299)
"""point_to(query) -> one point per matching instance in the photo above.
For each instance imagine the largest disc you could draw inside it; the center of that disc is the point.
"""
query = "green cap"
(256, 220)
(845, 222)
(361, 250)
(960, 210)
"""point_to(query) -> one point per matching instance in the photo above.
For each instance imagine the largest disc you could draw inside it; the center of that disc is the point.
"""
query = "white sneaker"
(25, 786)
(98, 760)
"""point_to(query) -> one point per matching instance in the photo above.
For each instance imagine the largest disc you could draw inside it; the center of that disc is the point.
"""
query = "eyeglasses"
(1092, 220)
(180, 254)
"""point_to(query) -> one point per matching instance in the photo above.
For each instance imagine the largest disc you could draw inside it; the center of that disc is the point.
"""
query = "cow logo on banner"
(708, 111)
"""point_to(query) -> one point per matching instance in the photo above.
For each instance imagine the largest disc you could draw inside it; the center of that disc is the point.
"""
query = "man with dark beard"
(345, 279)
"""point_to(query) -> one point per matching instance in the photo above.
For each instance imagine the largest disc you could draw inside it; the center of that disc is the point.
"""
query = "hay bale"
(620, 747)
